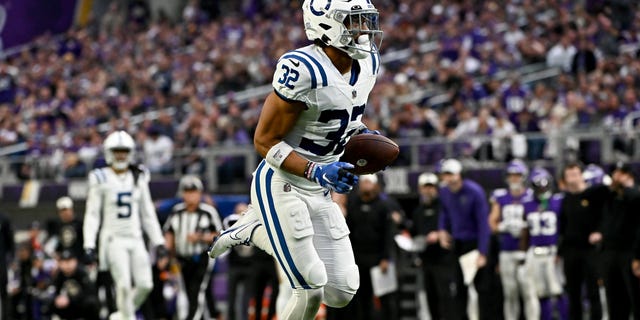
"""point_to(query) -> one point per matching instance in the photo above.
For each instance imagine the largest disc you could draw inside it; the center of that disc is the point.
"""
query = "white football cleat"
(239, 234)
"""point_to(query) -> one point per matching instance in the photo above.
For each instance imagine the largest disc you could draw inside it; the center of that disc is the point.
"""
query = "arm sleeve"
(482, 216)
(91, 223)
(414, 227)
(636, 244)
(168, 224)
(562, 223)
(387, 224)
(215, 220)
(148, 216)
(597, 196)
(7, 235)
(444, 219)
(212, 223)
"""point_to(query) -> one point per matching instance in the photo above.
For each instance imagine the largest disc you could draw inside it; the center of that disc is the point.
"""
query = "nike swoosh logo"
(295, 63)
(234, 232)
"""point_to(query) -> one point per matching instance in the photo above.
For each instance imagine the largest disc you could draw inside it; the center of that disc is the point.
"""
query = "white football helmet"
(119, 140)
(349, 25)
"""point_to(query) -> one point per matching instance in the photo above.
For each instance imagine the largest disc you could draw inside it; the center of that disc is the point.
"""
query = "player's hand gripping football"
(334, 176)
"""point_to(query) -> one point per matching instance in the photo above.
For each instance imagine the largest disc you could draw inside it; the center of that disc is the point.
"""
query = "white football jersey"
(117, 208)
(335, 103)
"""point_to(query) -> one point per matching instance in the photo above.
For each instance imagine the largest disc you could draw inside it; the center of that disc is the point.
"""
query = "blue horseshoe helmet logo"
(319, 13)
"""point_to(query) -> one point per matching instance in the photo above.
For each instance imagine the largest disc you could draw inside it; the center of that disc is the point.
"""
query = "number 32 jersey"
(334, 102)
(118, 208)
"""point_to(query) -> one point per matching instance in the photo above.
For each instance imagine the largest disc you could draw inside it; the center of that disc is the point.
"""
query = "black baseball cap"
(623, 167)
(67, 254)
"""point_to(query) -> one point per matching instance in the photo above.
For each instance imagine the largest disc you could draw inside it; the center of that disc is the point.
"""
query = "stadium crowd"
(54, 92)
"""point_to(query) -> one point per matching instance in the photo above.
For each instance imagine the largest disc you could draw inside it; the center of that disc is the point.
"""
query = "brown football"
(370, 153)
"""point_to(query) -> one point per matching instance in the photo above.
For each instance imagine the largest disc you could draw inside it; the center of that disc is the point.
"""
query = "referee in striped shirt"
(189, 230)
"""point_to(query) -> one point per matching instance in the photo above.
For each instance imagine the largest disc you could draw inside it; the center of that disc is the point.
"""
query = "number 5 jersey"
(119, 205)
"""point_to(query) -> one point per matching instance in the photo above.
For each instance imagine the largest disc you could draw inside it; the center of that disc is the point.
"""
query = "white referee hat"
(190, 182)
(64, 203)
(452, 166)
(428, 178)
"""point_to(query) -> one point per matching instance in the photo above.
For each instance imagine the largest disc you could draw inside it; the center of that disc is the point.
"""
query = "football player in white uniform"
(320, 93)
(119, 206)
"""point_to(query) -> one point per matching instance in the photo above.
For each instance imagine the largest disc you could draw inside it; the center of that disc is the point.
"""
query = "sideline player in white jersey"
(320, 93)
(119, 206)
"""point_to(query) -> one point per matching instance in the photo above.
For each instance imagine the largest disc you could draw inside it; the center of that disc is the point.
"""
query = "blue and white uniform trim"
(274, 228)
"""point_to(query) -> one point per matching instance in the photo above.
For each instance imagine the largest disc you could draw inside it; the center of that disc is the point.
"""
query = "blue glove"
(366, 130)
(333, 176)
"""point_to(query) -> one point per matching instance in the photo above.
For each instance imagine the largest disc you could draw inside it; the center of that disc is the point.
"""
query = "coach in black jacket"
(619, 226)
(368, 218)
(579, 218)
(75, 296)
(7, 250)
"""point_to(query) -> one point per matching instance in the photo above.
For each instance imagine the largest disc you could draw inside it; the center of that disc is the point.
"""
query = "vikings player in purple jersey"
(540, 238)
(507, 218)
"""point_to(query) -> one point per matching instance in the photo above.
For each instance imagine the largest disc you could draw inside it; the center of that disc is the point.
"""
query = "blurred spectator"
(437, 263)
(74, 294)
(584, 60)
(7, 250)
(20, 283)
(240, 272)
(463, 227)
(619, 234)
(65, 231)
(162, 301)
(72, 166)
(368, 217)
(561, 54)
(253, 271)
(158, 152)
(579, 215)
(127, 64)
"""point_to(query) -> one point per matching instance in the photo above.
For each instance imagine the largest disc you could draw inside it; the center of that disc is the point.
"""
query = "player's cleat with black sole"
(239, 234)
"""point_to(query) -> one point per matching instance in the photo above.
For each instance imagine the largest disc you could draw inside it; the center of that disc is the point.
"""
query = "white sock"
(303, 305)
(284, 291)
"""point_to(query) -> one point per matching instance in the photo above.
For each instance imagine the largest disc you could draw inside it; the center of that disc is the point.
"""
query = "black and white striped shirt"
(182, 223)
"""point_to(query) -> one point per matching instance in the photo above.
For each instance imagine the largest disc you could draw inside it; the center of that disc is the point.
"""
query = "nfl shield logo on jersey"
(354, 93)
(287, 187)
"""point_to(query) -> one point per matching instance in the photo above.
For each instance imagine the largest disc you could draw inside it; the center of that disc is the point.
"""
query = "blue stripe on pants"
(266, 222)
(281, 238)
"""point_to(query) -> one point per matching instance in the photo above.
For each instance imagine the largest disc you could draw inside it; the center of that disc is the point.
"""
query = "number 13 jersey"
(334, 102)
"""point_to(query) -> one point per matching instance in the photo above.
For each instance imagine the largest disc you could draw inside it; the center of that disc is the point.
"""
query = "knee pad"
(317, 275)
(336, 298)
(352, 279)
